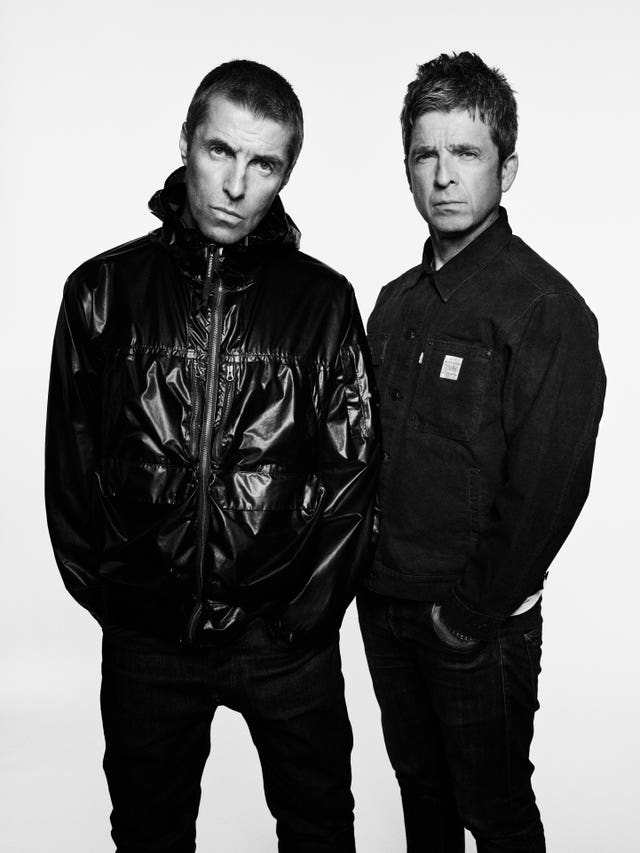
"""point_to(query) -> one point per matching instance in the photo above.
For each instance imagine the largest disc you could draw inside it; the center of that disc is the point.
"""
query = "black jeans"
(157, 708)
(457, 726)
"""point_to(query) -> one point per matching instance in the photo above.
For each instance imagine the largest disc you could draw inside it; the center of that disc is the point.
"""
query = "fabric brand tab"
(450, 367)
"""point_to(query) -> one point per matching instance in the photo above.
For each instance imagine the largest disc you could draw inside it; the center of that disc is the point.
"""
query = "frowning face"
(454, 173)
(236, 164)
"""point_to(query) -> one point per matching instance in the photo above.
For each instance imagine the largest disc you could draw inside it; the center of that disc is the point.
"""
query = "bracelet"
(462, 637)
(458, 635)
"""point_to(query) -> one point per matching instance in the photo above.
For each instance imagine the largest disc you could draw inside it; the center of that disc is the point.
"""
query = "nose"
(235, 181)
(445, 171)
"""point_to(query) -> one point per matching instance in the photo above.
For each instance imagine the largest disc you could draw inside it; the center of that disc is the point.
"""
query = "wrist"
(447, 634)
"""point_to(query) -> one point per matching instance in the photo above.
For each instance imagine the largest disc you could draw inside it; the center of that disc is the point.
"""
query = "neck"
(187, 217)
(447, 246)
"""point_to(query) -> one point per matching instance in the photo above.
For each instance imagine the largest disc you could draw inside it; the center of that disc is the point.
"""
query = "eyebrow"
(462, 147)
(459, 148)
(423, 149)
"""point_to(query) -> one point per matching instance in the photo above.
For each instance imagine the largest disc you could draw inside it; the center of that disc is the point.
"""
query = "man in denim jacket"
(491, 389)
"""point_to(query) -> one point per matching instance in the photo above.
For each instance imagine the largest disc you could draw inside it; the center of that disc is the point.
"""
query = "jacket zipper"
(196, 408)
(214, 262)
(226, 410)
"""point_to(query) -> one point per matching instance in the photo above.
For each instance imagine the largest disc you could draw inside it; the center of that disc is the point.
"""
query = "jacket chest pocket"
(378, 347)
(451, 388)
(377, 344)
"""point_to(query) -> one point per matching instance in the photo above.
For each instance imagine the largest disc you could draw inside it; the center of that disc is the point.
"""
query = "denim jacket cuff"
(467, 622)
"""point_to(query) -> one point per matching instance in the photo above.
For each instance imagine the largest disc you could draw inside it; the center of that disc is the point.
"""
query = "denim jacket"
(492, 388)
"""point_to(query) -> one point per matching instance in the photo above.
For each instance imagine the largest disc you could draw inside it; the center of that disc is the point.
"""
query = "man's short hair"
(257, 88)
(463, 81)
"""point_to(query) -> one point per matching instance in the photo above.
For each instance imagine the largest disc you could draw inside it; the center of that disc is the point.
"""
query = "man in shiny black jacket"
(491, 389)
(210, 470)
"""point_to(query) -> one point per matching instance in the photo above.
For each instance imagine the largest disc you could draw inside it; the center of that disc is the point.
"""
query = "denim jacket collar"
(467, 263)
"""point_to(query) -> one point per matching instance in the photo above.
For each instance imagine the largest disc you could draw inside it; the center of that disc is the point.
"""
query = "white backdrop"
(93, 96)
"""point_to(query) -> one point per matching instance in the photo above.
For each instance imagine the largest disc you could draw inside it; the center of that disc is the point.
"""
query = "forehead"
(242, 129)
(455, 127)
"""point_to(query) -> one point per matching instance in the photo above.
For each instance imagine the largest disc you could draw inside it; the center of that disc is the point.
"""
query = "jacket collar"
(467, 263)
(190, 247)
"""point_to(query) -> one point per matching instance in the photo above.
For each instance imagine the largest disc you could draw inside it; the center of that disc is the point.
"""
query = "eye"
(217, 151)
(265, 166)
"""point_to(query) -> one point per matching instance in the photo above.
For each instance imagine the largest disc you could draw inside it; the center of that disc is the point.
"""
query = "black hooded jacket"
(211, 447)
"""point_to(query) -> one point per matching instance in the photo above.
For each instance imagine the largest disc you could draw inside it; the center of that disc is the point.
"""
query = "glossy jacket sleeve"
(71, 449)
(349, 462)
(552, 404)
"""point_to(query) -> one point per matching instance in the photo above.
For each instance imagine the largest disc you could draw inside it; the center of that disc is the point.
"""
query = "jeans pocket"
(469, 650)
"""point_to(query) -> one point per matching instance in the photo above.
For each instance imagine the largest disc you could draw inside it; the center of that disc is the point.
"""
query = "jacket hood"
(276, 229)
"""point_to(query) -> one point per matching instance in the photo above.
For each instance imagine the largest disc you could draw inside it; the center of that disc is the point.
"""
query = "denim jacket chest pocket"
(451, 388)
(378, 347)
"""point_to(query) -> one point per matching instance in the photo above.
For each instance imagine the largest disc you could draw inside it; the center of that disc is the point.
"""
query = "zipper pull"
(219, 260)
(206, 290)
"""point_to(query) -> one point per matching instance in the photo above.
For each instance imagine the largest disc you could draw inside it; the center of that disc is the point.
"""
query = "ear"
(287, 174)
(285, 180)
(408, 174)
(509, 171)
(184, 145)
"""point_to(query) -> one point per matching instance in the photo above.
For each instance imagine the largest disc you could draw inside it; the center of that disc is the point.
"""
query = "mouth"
(231, 214)
(451, 203)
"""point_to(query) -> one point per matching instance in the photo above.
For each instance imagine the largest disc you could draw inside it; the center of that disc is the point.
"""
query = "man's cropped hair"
(257, 88)
(463, 81)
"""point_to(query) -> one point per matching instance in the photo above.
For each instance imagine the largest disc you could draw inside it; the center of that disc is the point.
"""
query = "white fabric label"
(450, 367)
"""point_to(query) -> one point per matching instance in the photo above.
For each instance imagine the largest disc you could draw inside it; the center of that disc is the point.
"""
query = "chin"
(451, 225)
(225, 239)
(223, 236)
